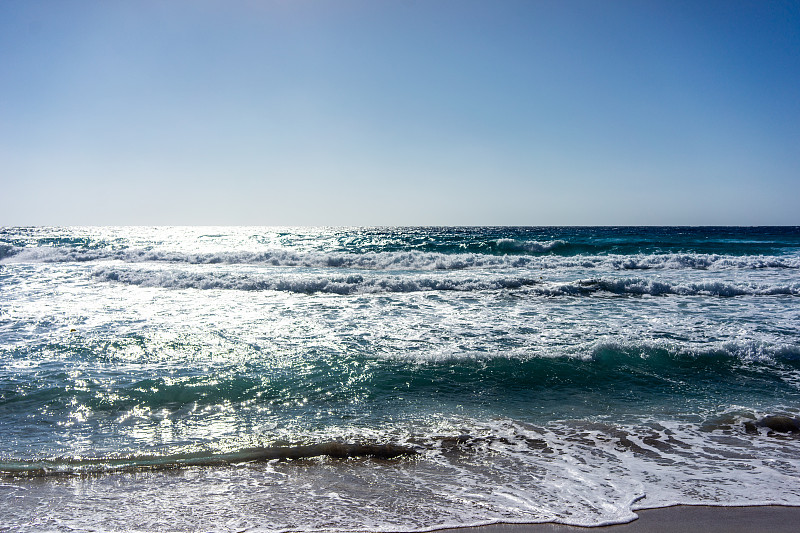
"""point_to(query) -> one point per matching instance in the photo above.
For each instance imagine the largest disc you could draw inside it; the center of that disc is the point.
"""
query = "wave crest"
(404, 260)
(338, 450)
(308, 284)
(534, 247)
(641, 286)
(355, 283)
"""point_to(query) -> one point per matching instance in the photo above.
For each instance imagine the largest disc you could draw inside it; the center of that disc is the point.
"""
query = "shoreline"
(705, 518)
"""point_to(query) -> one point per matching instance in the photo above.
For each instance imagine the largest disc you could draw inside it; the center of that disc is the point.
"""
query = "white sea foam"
(306, 282)
(317, 281)
(469, 472)
(655, 287)
(400, 260)
(514, 245)
(700, 262)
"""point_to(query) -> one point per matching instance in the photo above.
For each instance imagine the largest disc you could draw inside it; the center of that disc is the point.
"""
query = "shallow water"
(538, 374)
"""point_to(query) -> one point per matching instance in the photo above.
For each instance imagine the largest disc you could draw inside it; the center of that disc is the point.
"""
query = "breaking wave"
(310, 283)
(641, 286)
(72, 466)
(534, 247)
(405, 260)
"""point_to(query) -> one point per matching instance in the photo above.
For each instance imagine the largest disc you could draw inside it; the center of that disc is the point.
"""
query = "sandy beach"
(773, 518)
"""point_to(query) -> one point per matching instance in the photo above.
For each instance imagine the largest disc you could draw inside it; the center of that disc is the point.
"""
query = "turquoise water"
(188, 378)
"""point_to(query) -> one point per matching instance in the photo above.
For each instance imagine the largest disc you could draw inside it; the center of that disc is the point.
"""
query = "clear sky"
(400, 112)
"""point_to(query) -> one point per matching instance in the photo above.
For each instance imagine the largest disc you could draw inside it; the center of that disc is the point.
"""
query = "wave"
(7, 250)
(700, 262)
(648, 371)
(72, 466)
(652, 366)
(642, 286)
(311, 283)
(533, 247)
(275, 257)
(578, 472)
(608, 361)
(307, 284)
(403, 260)
(503, 437)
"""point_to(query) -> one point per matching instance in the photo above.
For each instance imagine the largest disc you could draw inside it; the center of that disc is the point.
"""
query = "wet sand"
(681, 518)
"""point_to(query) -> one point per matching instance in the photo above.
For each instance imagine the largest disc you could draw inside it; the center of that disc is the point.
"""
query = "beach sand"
(681, 518)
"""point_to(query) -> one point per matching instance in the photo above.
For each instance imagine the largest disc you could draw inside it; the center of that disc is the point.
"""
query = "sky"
(388, 112)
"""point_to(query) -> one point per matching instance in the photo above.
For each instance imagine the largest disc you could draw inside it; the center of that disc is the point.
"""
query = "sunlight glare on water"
(538, 374)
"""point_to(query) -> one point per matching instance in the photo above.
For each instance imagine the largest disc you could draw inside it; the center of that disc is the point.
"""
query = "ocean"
(393, 379)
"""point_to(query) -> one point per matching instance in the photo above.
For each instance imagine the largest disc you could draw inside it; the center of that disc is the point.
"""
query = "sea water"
(392, 379)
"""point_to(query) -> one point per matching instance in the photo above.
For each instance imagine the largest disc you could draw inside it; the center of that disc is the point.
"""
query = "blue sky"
(399, 112)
